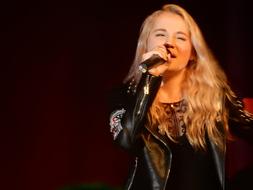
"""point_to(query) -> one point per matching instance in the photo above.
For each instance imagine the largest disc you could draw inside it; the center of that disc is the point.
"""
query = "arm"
(129, 108)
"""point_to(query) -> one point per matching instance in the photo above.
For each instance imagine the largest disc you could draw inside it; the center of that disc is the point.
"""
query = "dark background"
(59, 60)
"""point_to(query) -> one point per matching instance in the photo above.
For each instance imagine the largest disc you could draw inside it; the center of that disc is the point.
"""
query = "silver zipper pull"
(146, 89)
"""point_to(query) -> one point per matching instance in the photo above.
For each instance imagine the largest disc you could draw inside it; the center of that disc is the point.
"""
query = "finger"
(149, 54)
(163, 51)
(159, 70)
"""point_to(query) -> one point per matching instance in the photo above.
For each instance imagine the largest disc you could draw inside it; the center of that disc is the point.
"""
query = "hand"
(161, 51)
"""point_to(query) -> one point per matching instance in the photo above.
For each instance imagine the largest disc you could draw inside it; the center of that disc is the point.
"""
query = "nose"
(168, 45)
(170, 41)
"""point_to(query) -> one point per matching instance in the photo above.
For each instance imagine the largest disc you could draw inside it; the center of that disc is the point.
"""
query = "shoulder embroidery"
(115, 122)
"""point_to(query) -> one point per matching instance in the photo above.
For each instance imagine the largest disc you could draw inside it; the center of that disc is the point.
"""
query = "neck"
(171, 88)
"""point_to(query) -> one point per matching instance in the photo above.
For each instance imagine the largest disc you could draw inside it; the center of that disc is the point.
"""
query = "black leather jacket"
(153, 162)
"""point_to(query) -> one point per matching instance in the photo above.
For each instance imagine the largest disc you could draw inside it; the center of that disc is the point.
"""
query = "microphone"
(152, 61)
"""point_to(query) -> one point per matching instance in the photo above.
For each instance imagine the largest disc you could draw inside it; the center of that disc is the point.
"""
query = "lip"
(169, 49)
(171, 53)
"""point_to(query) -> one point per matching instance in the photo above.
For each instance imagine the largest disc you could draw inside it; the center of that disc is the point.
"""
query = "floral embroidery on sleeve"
(115, 122)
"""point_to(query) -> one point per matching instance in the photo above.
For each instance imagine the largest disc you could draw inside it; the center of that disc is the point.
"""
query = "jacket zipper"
(132, 178)
(146, 92)
(166, 179)
(177, 124)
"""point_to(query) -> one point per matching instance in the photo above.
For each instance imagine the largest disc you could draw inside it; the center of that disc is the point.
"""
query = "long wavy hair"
(205, 86)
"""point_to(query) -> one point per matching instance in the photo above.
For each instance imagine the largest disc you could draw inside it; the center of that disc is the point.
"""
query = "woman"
(176, 115)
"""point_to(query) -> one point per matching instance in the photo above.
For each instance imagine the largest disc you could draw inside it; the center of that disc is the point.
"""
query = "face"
(170, 28)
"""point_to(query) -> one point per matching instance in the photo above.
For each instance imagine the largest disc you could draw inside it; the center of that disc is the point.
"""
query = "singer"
(176, 115)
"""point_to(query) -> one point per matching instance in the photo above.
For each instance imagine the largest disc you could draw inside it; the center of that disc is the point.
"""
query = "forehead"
(170, 21)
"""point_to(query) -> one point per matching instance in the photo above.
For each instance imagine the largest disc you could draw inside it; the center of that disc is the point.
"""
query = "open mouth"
(172, 55)
(168, 49)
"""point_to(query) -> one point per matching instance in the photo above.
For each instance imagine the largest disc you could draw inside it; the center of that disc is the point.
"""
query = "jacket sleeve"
(129, 105)
(240, 120)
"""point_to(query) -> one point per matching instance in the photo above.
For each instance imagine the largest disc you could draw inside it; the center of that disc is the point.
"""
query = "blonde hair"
(205, 86)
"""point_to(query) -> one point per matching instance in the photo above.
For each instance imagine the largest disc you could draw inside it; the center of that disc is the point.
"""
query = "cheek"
(153, 43)
(186, 52)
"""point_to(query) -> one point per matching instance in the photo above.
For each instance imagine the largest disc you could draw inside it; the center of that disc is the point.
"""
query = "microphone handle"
(152, 61)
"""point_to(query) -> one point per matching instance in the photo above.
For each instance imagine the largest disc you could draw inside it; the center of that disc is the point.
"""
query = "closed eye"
(159, 34)
(181, 38)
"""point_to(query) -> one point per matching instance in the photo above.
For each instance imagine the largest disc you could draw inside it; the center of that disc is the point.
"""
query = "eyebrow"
(160, 29)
